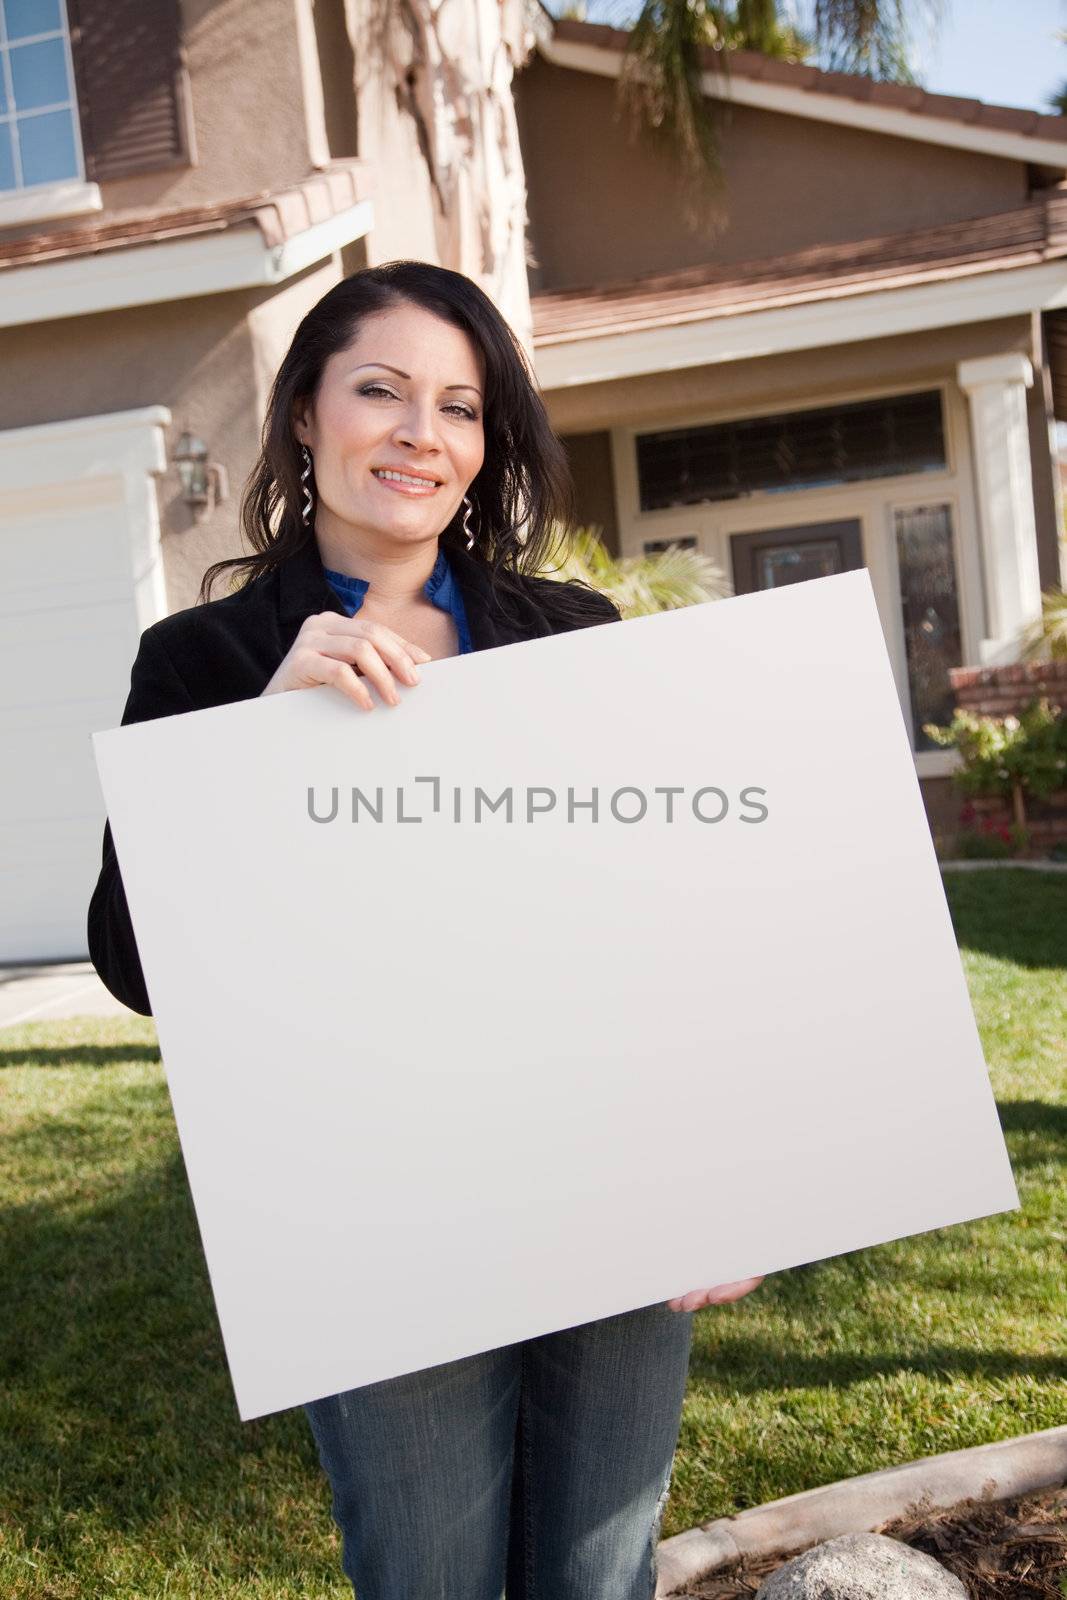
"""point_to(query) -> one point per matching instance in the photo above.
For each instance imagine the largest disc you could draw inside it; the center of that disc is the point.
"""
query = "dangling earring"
(467, 529)
(305, 514)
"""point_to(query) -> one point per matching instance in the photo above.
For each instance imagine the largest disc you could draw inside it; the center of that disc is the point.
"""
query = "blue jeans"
(543, 1466)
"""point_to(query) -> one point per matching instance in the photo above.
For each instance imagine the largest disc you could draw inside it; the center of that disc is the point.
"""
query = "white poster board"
(446, 1084)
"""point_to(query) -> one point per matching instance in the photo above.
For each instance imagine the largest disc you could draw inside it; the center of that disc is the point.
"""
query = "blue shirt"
(440, 587)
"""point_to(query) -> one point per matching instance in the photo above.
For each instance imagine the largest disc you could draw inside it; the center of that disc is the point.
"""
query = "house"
(856, 361)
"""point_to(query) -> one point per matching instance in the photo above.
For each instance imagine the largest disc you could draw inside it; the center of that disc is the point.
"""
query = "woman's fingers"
(342, 676)
(367, 660)
(398, 653)
(720, 1294)
(343, 651)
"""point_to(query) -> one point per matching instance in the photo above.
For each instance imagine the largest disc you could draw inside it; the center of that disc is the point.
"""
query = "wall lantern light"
(204, 483)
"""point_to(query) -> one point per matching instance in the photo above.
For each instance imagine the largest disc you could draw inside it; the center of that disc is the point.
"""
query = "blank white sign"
(448, 1083)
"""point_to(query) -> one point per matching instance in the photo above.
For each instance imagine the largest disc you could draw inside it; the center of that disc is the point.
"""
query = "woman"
(404, 447)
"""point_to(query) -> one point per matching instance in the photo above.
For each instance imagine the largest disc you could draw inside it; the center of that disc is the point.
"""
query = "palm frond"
(872, 37)
(639, 585)
(659, 86)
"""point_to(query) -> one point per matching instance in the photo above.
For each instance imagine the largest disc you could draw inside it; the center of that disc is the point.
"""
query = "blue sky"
(1005, 51)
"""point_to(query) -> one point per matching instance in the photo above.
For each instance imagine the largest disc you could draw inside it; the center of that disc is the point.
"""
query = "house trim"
(996, 387)
(841, 110)
(706, 339)
(204, 263)
(42, 202)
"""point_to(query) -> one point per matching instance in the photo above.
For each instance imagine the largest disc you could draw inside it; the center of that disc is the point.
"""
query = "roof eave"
(717, 337)
(214, 259)
(600, 52)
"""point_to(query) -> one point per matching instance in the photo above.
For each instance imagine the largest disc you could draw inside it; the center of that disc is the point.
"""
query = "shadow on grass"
(1015, 916)
(114, 1394)
(1034, 1130)
(748, 1364)
(80, 1055)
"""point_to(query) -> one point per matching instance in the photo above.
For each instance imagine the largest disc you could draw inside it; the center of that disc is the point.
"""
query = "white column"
(996, 389)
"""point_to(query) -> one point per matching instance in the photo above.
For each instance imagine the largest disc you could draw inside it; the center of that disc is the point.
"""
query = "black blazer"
(229, 649)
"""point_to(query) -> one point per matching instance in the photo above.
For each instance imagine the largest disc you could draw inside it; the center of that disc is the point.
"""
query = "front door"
(771, 559)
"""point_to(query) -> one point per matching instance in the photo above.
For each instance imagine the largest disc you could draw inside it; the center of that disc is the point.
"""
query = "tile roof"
(1028, 235)
(278, 216)
(852, 86)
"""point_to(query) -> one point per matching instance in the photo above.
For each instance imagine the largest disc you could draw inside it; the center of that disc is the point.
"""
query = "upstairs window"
(38, 112)
(810, 449)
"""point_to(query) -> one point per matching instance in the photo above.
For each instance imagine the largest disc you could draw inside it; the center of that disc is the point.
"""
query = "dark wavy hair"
(524, 488)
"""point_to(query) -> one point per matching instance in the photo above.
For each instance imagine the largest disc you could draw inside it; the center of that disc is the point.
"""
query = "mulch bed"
(999, 1549)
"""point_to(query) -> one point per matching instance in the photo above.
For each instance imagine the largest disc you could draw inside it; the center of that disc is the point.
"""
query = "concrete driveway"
(68, 989)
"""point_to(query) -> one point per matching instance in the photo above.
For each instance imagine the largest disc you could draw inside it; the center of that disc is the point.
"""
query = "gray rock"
(862, 1566)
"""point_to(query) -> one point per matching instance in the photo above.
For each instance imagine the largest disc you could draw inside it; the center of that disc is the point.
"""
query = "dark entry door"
(791, 555)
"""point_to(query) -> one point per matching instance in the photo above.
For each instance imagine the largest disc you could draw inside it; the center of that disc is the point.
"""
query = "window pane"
(47, 146)
(795, 563)
(26, 17)
(931, 613)
(795, 450)
(7, 166)
(39, 74)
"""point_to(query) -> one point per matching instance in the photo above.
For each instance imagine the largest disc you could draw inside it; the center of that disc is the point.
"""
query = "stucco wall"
(248, 109)
(589, 456)
(209, 360)
(603, 208)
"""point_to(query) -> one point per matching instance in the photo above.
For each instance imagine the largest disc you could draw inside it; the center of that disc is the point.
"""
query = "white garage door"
(80, 578)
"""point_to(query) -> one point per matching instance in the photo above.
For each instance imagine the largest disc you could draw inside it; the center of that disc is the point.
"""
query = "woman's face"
(405, 396)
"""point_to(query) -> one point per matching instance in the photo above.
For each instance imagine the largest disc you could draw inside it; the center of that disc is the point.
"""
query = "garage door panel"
(57, 776)
(47, 882)
(79, 568)
(78, 652)
(61, 595)
(78, 545)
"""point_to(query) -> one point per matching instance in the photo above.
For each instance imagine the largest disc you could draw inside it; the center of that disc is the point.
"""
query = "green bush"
(1008, 755)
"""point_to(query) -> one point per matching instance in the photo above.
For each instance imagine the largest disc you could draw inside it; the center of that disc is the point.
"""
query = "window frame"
(54, 197)
(694, 425)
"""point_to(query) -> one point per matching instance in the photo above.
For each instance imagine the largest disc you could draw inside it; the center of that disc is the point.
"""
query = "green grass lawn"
(123, 1467)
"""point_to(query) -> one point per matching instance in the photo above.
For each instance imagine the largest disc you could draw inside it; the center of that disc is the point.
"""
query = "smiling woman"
(402, 510)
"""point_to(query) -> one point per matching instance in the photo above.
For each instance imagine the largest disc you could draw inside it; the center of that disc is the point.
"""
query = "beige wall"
(602, 208)
(248, 109)
(589, 457)
(209, 360)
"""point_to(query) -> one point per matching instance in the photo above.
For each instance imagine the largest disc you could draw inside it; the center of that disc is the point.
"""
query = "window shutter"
(133, 90)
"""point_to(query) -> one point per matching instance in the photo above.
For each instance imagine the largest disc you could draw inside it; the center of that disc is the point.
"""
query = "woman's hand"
(721, 1295)
(331, 648)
